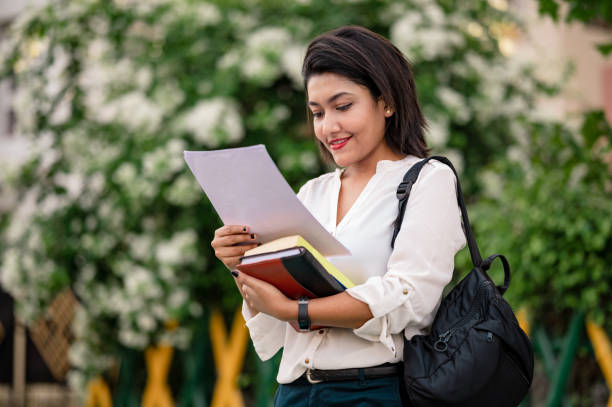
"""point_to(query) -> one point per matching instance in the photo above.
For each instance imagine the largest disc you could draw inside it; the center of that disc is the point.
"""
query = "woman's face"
(348, 121)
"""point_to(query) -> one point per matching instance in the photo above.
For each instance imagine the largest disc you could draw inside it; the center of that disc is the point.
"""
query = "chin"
(342, 161)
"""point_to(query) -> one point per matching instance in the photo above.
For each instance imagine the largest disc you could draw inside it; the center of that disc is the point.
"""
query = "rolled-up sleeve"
(421, 264)
(267, 333)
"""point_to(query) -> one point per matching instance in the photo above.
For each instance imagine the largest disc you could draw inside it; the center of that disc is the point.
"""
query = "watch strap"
(303, 320)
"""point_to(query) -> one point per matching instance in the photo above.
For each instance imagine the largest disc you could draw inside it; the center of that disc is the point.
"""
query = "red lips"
(338, 143)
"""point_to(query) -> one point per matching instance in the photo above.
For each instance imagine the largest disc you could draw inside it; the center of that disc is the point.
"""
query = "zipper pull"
(441, 344)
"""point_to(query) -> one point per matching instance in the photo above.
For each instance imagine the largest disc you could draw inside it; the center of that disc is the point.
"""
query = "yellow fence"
(229, 357)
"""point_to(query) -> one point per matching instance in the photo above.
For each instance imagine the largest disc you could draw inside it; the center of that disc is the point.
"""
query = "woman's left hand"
(266, 298)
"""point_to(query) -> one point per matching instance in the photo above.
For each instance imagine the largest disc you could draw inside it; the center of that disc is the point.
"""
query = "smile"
(339, 143)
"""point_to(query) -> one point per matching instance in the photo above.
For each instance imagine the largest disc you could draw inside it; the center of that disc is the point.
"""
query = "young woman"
(365, 115)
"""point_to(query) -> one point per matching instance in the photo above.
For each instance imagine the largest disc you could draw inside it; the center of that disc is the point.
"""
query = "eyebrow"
(331, 99)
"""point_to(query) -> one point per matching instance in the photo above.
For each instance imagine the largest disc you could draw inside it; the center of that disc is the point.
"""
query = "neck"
(367, 168)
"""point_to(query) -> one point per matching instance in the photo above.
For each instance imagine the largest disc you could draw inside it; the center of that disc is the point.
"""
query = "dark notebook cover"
(297, 275)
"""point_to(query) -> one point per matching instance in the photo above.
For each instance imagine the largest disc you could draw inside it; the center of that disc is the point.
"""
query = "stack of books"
(295, 267)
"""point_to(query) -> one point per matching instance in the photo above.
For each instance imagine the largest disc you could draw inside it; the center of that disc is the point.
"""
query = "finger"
(231, 230)
(233, 240)
(233, 251)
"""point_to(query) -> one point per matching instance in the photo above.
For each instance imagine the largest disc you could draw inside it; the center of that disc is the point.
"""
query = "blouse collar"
(383, 165)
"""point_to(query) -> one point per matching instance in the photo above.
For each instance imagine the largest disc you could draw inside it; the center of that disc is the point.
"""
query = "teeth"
(339, 141)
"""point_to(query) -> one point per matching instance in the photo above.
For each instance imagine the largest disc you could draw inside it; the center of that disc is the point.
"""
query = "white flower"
(195, 309)
(134, 110)
(138, 281)
(207, 13)
(291, 61)
(22, 217)
(184, 191)
(308, 160)
(98, 49)
(10, 274)
(454, 102)
(178, 298)
(62, 111)
(434, 13)
(52, 203)
(141, 246)
(229, 60)
(144, 76)
(77, 382)
(77, 354)
(455, 157)
(516, 154)
(125, 174)
(213, 114)
(259, 68)
(25, 109)
(133, 339)
(437, 132)
(177, 249)
(404, 34)
(268, 39)
(168, 95)
(72, 182)
(492, 184)
(146, 322)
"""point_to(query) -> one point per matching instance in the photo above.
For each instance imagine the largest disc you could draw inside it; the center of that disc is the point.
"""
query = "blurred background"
(109, 291)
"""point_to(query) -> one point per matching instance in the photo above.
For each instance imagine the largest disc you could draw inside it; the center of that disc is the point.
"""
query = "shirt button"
(307, 361)
(405, 291)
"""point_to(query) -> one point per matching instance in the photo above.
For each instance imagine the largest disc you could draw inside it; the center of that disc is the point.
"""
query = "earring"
(388, 111)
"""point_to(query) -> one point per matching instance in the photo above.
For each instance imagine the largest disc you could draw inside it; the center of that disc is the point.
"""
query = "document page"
(246, 188)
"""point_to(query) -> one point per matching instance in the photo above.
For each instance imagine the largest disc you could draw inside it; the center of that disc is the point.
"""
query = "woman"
(365, 115)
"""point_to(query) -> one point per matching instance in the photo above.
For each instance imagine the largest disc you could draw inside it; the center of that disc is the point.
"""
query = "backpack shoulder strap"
(403, 193)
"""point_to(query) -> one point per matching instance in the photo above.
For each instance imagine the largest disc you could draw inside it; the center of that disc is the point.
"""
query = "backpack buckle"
(403, 190)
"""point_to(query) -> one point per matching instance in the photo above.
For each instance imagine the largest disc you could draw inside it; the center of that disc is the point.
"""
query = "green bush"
(549, 210)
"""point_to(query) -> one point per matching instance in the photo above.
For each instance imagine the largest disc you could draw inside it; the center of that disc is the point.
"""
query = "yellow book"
(289, 242)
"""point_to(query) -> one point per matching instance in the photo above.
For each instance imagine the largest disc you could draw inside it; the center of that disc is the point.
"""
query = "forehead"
(323, 86)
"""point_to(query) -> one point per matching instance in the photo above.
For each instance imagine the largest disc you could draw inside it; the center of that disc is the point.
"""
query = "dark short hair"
(371, 60)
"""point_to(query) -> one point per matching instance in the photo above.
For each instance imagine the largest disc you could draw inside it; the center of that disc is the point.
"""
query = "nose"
(329, 125)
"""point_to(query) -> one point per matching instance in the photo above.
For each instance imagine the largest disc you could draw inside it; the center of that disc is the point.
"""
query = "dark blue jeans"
(383, 391)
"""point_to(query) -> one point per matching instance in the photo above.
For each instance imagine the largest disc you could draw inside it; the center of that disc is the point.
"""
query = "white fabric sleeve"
(267, 333)
(421, 264)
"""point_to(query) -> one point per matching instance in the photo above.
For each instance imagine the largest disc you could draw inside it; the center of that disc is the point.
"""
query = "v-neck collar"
(382, 166)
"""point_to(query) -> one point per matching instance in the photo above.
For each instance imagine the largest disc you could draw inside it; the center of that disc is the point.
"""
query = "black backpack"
(476, 354)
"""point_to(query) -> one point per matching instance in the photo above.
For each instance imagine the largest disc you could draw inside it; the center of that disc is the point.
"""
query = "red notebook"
(294, 271)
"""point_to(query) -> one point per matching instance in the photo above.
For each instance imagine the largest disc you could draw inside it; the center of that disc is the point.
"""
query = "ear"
(387, 108)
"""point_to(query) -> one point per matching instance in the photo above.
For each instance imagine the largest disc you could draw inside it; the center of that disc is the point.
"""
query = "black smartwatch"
(303, 320)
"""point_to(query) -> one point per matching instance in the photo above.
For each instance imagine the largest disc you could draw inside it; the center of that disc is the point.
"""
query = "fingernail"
(234, 273)
(244, 229)
(252, 235)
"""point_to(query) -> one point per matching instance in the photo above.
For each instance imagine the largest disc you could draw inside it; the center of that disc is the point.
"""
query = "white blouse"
(402, 287)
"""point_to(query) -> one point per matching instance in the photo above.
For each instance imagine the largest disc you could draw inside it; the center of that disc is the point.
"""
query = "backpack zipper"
(441, 345)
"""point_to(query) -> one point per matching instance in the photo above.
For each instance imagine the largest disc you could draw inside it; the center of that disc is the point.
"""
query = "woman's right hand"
(226, 243)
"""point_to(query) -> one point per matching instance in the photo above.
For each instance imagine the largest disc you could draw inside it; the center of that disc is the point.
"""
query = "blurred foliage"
(549, 210)
(110, 93)
(597, 12)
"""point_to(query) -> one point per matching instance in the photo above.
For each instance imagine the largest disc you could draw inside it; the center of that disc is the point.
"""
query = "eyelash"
(342, 108)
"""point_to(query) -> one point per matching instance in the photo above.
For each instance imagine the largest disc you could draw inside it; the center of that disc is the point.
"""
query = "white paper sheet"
(246, 188)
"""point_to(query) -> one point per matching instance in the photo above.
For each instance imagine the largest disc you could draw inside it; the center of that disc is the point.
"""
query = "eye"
(344, 107)
(316, 115)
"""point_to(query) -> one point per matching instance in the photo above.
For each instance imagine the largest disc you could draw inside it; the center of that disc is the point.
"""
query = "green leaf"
(549, 7)
(605, 49)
